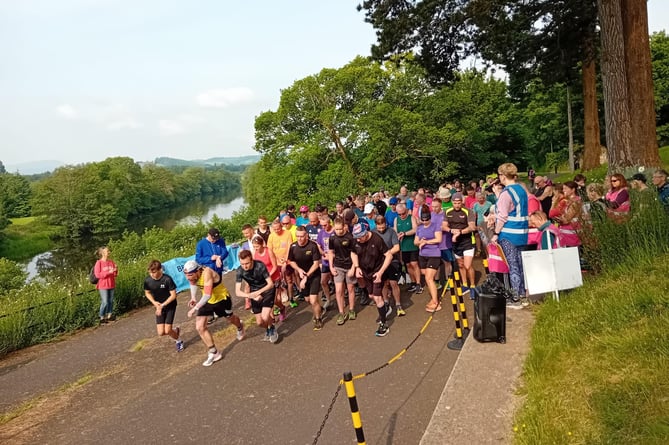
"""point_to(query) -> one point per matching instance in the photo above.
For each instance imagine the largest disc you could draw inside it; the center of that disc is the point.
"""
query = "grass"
(597, 369)
(26, 237)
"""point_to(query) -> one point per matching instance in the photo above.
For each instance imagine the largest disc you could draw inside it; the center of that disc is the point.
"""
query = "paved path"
(120, 383)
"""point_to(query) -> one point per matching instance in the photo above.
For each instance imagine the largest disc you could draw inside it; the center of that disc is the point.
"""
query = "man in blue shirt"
(211, 251)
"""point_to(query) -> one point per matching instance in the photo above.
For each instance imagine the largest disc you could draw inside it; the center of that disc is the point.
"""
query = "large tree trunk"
(640, 82)
(591, 138)
(614, 80)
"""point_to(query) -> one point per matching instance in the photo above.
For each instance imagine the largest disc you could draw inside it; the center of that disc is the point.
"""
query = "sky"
(83, 80)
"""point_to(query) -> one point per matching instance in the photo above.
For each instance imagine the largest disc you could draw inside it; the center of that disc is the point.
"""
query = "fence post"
(355, 413)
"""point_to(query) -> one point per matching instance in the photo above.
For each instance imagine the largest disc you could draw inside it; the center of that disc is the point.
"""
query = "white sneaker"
(212, 358)
(241, 334)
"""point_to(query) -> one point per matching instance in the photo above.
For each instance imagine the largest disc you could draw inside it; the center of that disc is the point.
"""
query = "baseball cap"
(214, 232)
(191, 266)
(425, 217)
(369, 208)
(392, 201)
(304, 209)
(359, 231)
(639, 177)
(458, 196)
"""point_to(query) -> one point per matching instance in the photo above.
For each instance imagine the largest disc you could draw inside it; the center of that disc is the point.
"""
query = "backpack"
(91, 276)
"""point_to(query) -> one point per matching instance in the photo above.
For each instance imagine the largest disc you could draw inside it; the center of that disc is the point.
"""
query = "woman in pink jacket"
(106, 272)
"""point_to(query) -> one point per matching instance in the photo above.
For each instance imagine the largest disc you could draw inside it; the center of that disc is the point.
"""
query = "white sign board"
(552, 270)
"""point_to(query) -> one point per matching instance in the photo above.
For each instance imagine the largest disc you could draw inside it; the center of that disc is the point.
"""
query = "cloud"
(124, 123)
(67, 111)
(180, 125)
(224, 97)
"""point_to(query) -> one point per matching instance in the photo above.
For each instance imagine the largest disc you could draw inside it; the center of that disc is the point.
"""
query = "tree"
(15, 193)
(659, 48)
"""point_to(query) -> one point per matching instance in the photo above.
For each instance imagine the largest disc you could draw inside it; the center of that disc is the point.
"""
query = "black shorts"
(222, 308)
(267, 301)
(372, 287)
(460, 247)
(429, 262)
(393, 272)
(410, 256)
(167, 315)
(325, 268)
(313, 285)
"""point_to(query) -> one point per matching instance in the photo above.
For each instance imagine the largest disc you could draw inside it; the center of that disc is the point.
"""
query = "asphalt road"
(120, 383)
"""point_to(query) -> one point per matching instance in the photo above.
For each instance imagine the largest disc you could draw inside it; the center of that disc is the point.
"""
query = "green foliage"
(12, 276)
(14, 195)
(659, 51)
(367, 125)
(94, 201)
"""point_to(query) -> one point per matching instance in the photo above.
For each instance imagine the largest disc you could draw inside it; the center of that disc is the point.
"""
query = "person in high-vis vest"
(511, 226)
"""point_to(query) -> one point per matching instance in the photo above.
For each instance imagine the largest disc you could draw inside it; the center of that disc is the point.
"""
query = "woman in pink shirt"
(106, 272)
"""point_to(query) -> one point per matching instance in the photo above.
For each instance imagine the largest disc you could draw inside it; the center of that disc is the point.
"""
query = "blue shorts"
(447, 255)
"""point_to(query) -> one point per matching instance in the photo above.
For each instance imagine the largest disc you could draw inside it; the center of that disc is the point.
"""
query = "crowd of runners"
(362, 250)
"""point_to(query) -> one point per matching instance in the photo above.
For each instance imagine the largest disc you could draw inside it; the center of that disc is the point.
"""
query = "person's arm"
(171, 298)
(272, 259)
(224, 250)
(378, 276)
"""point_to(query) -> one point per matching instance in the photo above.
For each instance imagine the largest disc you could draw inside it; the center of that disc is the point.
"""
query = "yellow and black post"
(458, 342)
(355, 413)
(485, 266)
(461, 301)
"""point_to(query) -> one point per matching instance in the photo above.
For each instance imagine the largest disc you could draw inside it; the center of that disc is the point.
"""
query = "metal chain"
(325, 419)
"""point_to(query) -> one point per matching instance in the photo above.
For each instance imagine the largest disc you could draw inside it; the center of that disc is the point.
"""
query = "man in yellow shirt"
(215, 300)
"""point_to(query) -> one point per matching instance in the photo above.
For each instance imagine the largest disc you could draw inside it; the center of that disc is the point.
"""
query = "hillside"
(238, 160)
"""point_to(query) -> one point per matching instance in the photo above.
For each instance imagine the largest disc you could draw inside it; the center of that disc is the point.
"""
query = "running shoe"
(389, 309)
(324, 309)
(382, 330)
(439, 285)
(510, 304)
(418, 290)
(400, 311)
(318, 324)
(412, 287)
(465, 289)
(293, 304)
(276, 311)
(341, 319)
(266, 336)
(212, 358)
(352, 315)
(180, 345)
(273, 335)
(241, 333)
(282, 314)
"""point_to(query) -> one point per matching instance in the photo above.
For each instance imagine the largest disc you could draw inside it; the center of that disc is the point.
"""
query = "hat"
(443, 193)
(359, 230)
(304, 209)
(392, 201)
(369, 208)
(214, 232)
(425, 216)
(458, 197)
(191, 266)
(639, 177)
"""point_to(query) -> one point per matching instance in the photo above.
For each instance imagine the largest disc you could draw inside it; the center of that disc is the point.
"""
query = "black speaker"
(490, 322)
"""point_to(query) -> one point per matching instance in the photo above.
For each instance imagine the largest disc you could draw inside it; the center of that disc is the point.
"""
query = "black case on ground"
(490, 323)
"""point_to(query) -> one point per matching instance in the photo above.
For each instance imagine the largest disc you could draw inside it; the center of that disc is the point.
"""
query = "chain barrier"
(327, 415)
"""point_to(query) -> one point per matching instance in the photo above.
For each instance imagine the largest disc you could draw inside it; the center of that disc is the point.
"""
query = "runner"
(215, 300)
(392, 275)
(341, 244)
(160, 290)
(371, 258)
(305, 258)
(261, 292)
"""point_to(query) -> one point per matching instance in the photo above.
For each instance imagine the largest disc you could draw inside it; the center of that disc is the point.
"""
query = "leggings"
(514, 259)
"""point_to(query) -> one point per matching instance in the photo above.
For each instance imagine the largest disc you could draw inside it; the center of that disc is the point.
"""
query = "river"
(192, 213)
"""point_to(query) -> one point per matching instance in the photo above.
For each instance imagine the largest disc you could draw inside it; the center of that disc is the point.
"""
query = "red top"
(106, 271)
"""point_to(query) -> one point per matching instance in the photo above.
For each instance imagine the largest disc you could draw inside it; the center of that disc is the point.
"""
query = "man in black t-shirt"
(371, 258)
(461, 222)
(304, 257)
(160, 290)
(341, 244)
(261, 292)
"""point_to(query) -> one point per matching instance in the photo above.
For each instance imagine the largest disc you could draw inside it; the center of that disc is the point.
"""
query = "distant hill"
(34, 167)
(239, 160)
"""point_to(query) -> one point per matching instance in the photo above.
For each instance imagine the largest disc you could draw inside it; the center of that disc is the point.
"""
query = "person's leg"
(161, 329)
(395, 290)
(110, 304)
(350, 286)
(325, 285)
(203, 332)
(514, 260)
(414, 273)
(463, 271)
(431, 285)
(469, 268)
(104, 302)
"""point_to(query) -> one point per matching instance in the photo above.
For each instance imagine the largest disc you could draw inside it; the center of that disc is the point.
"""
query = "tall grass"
(26, 237)
(598, 365)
